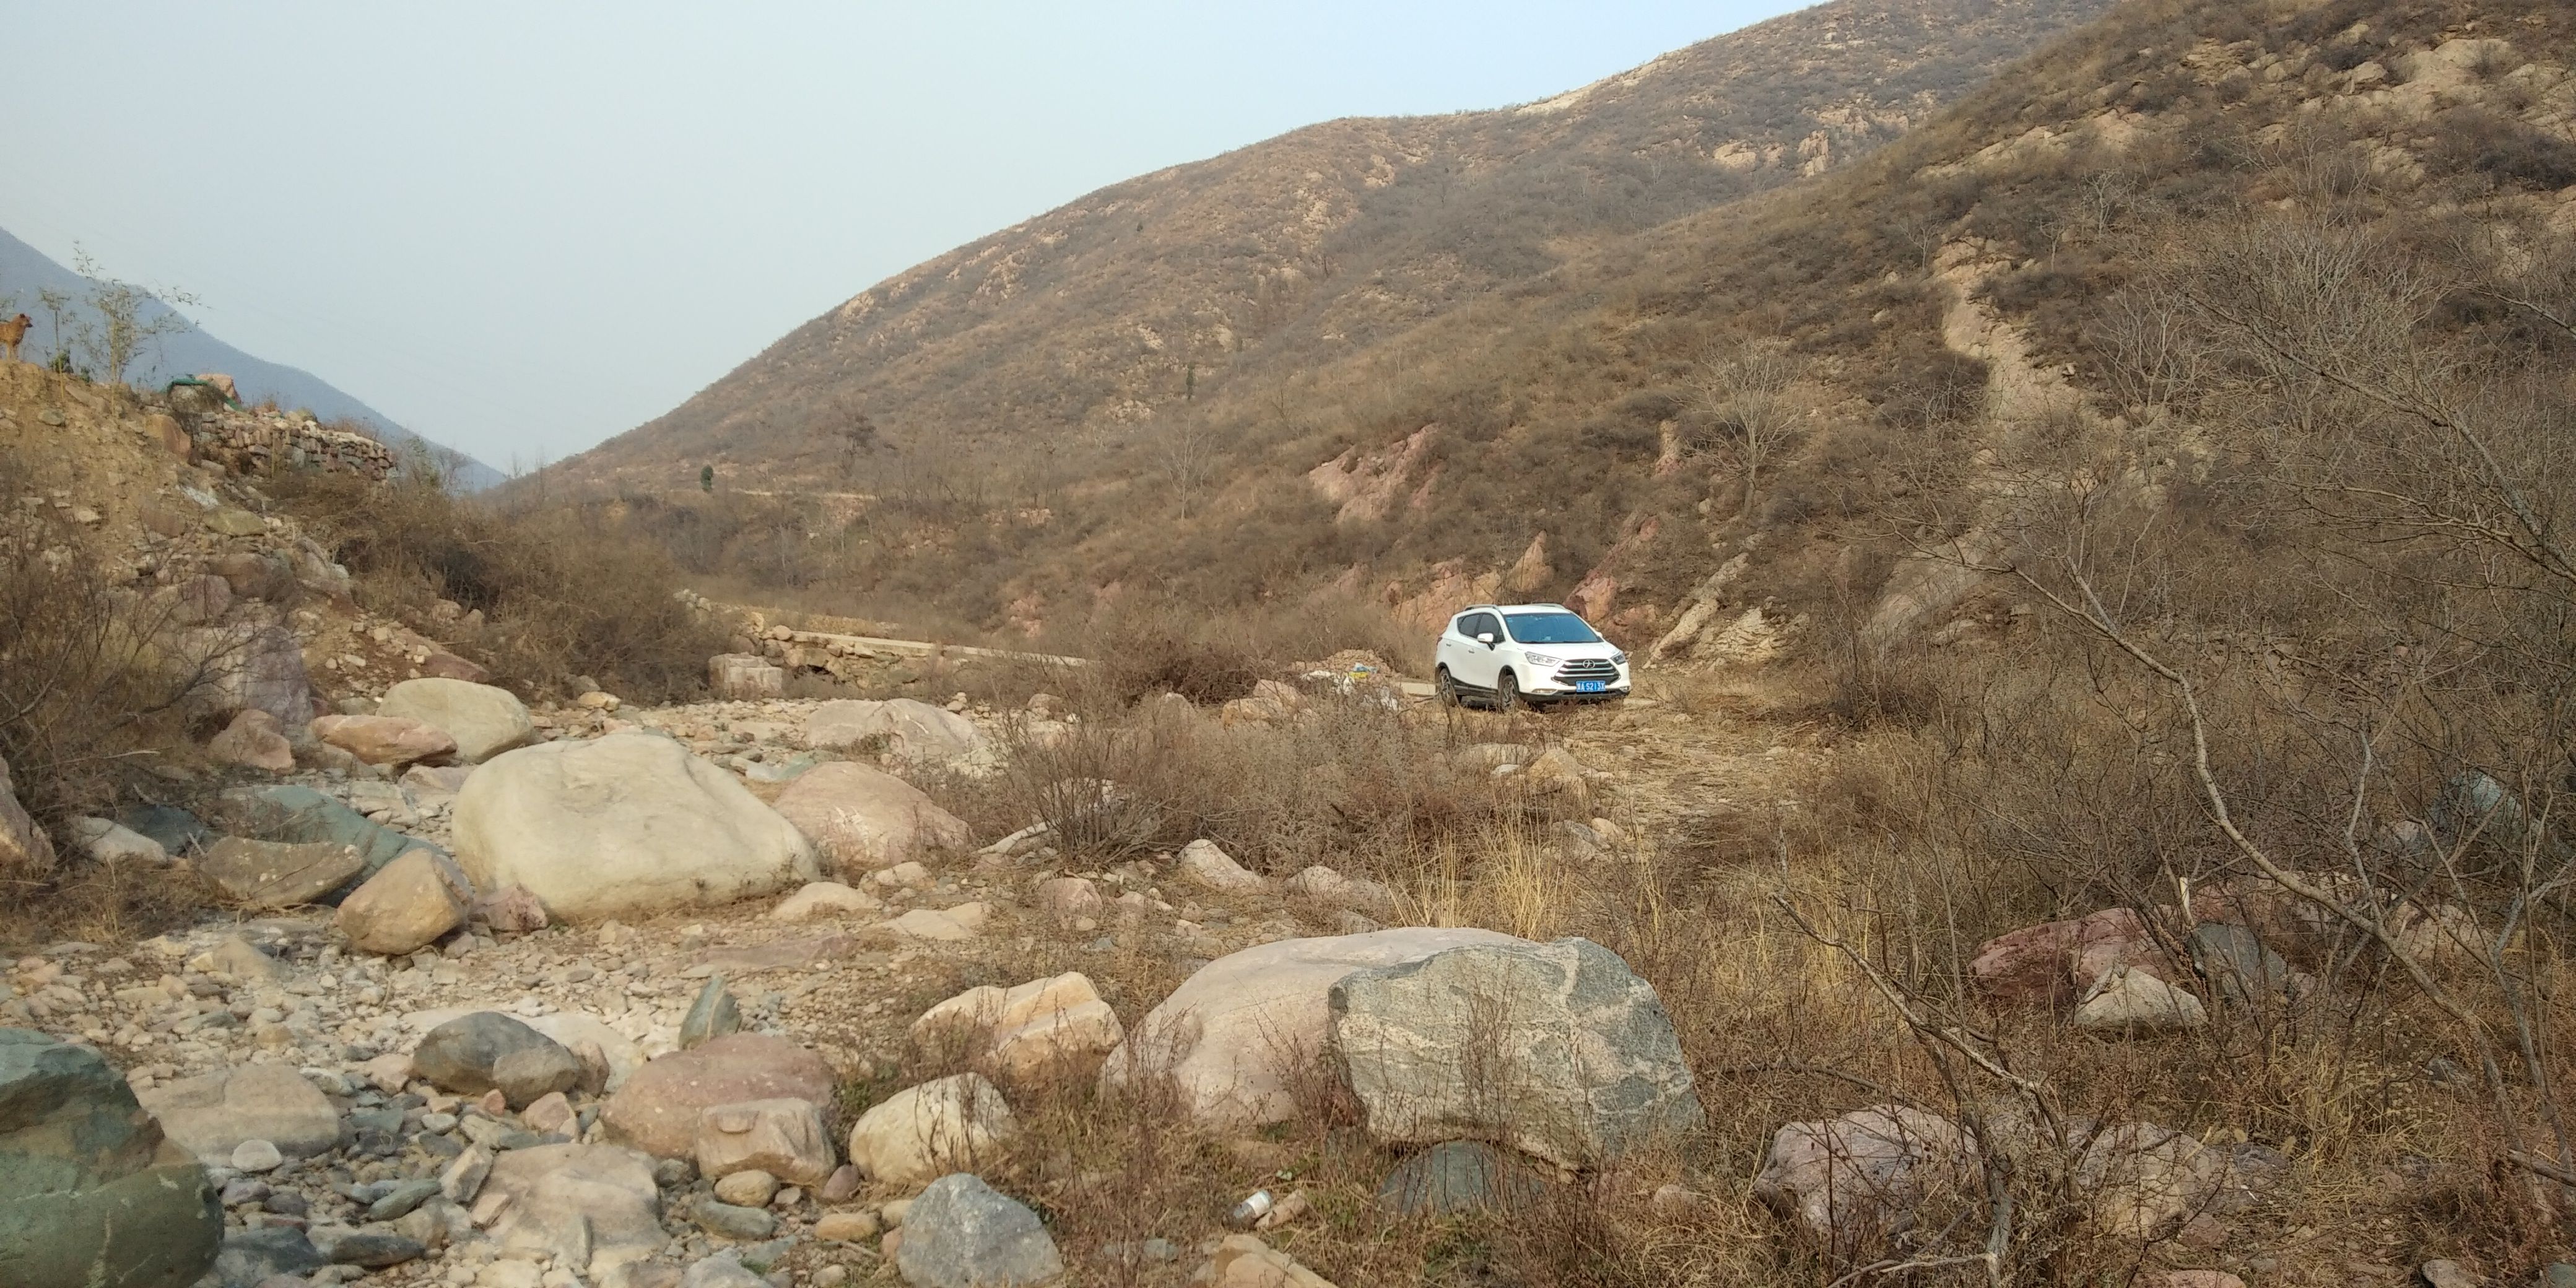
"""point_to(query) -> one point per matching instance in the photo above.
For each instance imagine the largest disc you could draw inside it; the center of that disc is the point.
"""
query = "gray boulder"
(713, 1015)
(1460, 1176)
(257, 668)
(2236, 963)
(724, 1270)
(962, 1234)
(1855, 1182)
(212, 1114)
(475, 1053)
(371, 1247)
(251, 1257)
(267, 875)
(1557, 1050)
(91, 1194)
(286, 812)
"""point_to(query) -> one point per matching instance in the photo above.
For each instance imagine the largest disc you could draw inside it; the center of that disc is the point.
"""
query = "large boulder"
(24, 847)
(860, 817)
(483, 721)
(626, 825)
(593, 1208)
(286, 812)
(91, 1194)
(1236, 1039)
(740, 676)
(278, 874)
(485, 1050)
(657, 1108)
(2145, 1180)
(961, 1233)
(212, 1114)
(784, 1138)
(572, 1030)
(1557, 1050)
(2056, 962)
(940, 1126)
(250, 1258)
(2129, 1002)
(1207, 865)
(909, 730)
(255, 667)
(1043, 1029)
(1855, 1182)
(253, 741)
(385, 740)
(1461, 1176)
(406, 906)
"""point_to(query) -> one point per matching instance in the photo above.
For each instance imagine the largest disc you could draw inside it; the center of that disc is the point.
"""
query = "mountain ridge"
(1285, 251)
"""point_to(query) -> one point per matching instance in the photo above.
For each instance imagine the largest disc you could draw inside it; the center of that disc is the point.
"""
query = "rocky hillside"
(186, 349)
(1582, 434)
(1091, 319)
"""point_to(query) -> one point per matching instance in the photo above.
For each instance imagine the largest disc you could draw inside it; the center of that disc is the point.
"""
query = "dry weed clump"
(97, 690)
(563, 592)
(1348, 782)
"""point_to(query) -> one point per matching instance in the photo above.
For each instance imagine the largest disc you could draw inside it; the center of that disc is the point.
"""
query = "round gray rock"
(91, 1195)
(1460, 1176)
(475, 1053)
(961, 1233)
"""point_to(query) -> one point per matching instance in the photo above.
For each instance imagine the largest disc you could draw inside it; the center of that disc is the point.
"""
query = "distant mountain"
(24, 271)
(1085, 324)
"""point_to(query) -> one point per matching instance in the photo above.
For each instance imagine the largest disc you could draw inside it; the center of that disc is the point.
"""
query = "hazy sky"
(521, 228)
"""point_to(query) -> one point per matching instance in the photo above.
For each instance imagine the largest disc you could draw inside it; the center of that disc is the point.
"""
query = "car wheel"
(1447, 688)
(1507, 691)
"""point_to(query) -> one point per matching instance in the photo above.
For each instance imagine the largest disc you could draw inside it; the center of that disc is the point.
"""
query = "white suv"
(1513, 653)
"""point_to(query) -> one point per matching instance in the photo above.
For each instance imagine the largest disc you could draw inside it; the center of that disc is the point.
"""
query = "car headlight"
(1542, 659)
(1618, 659)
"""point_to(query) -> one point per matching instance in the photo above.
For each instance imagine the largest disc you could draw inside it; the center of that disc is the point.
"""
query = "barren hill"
(1293, 251)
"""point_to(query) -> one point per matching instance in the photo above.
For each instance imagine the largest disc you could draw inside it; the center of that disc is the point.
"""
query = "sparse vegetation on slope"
(1088, 327)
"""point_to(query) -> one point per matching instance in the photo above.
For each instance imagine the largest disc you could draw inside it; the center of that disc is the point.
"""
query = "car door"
(1477, 664)
(1452, 652)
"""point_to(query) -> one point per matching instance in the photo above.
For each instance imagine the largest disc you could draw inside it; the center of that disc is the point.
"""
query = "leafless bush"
(94, 692)
(564, 591)
(1745, 398)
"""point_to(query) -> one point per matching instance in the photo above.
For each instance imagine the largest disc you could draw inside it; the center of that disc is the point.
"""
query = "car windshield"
(1549, 628)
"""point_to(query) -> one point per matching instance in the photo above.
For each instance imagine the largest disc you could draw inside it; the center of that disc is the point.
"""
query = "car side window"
(1484, 624)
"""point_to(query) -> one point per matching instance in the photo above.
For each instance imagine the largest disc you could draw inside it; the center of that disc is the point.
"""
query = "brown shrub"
(565, 592)
(94, 692)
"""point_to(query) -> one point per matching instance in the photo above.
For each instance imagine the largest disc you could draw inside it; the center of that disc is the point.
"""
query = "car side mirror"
(1485, 638)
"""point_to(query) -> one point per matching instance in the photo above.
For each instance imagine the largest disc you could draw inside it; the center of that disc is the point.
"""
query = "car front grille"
(1587, 668)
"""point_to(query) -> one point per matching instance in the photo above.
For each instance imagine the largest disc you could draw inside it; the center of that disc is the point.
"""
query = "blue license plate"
(1590, 686)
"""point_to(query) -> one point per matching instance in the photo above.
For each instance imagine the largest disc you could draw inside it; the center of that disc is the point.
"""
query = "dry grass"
(564, 593)
(1899, 851)
(98, 689)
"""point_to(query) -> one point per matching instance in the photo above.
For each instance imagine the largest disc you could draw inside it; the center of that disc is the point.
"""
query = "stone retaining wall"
(261, 443)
